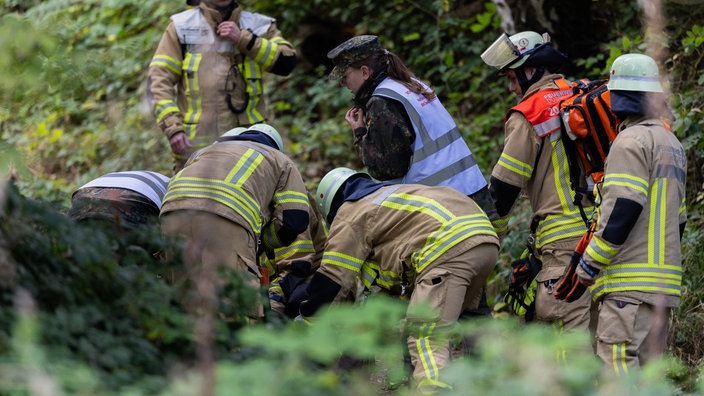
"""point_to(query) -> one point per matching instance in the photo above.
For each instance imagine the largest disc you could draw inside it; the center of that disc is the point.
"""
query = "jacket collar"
(367, 89)
(214, 17)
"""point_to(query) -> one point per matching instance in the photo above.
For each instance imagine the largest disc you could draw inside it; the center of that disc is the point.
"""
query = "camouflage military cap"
(351, 51)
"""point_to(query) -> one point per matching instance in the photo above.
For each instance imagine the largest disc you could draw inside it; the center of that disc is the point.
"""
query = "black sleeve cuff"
(623, 217)
(503, 194)
(294, 222)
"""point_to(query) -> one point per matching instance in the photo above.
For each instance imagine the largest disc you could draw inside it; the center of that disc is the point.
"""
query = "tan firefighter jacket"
(647, 165)
(538, 165)
(398, 231)
(196, 78)
(246, 182)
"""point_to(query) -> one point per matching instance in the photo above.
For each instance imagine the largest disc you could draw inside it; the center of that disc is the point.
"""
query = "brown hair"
(395, 68)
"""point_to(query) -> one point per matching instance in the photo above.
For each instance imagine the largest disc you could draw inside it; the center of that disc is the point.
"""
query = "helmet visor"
(501, 53)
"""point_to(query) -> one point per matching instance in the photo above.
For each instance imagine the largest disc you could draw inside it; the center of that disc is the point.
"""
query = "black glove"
(569, 288)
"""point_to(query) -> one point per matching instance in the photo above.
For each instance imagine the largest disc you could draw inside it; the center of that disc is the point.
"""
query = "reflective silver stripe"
(671, 171)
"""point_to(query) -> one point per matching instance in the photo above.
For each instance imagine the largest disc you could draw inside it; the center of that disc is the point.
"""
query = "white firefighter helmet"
(269, 131)
(329, 186)
(634, 72)
(234, 132)
(511, 52)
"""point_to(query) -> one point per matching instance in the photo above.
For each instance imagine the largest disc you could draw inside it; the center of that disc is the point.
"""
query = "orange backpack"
(591, 126)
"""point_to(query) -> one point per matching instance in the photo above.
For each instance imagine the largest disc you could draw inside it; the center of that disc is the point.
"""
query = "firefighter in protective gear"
(533, 160)
(206, 74)
(634, 261)
(235, 198)
(431, 245)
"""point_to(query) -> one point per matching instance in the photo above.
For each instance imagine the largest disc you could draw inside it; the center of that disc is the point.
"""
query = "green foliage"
(99, 293)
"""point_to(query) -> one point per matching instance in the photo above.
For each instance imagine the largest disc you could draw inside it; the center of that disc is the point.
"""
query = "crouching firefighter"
(431, 244)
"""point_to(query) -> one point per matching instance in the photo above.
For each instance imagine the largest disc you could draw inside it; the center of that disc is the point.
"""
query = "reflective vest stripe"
(164, 108)
(193, 98)
(556, 227)
(453, 229)
(547, 127)
(168, 62)
(542, 110)
(441, 156)
(152, 185)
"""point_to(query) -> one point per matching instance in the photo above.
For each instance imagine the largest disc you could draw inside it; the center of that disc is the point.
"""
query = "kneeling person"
(433, 245)
(233, 199)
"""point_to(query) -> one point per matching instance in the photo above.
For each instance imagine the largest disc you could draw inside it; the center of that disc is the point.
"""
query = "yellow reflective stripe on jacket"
(300, 246)
(226, 193)
(452, 229)
(646, 277)
(269, 237)
(501, 225)
(369, 274)
(556, 227)
(164, 108)
(229, 192)
(385, 279)
(413, 203)
(168, 62)
(569, 223)
(600, 251)
(265, 262)
(342, 260)
(561, 173)
(252, 74)
(657, 221)
(450, 235)
(514, 165)
(192, 94)
(245, 166)
(628, 181)
(267, 53)
(290, 196)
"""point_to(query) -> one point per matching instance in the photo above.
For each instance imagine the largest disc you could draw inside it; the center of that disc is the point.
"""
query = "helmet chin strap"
(523, 80)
